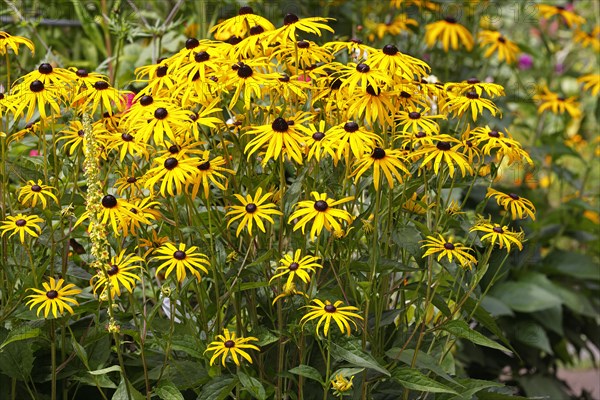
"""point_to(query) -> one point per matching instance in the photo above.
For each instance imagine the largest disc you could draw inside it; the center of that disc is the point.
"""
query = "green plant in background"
(327, 199)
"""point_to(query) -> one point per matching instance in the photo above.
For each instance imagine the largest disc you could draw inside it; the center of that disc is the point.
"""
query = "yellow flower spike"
(341, 385)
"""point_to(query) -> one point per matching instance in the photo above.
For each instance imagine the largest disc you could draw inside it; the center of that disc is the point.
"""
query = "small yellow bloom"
(54, 297)
(341, 385)
(227, 344)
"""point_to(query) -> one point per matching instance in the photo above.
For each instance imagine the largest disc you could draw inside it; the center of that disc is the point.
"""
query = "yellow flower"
(227, 344)
(590, 82)
(400, 23)
(372, 104)
(100, 94)
(350, 137)
(417, 120)
(472, 101)
(403, 66)
(557, 104)
(247, 77)
(519, 207)
(361, 76)
(291, 24)
(387, 161)
(209, 171)
(181, 258)
(37, 95)
(475, 85)
(322, 213)
(241, 24)
(341, 385)
(317, 142)
(326, 312)
(444, 152)
(119, 273)
(253, 210)
(289, 289)
(507, 49)
(494, 233)
(296, 266)
(588, 39)
(175, 172)
(13, 42)
(113, 210)
(305, 52)
(34, 192)
(569, 17)
(21, 224)
(449, 249)
(153, 243)
(450, 32)
(54, 297)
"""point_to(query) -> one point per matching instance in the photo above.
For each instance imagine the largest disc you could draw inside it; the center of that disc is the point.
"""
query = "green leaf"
(424, 361)
(308, 372)
(357, 357)
(166, 390)
(251, 285)
(460, 329)
(253, 386)
(16, 360)
(187, 344)
(187, 374)
(23, 332)
(414, 380)
(80, 351)
(499, 396)
(114, 368)
(525, 296)
(121, 392)
(533, 335)
(102, 381)
(485, 319)
(495, 307)
(218, 388)
(472, 386)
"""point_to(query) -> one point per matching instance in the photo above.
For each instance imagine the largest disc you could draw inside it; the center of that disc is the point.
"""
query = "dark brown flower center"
(51, 294)
(126, 137)
(36, 86)
(498, 229)
(335, 84)
(472, 81)
(146, 100)
(114, 269)
(45, 68)
(251, 208)
(290, 19)
(82, 73)
(80, 133)
(279, 125)
(330, 308)
(191, 43)
(233, 40)
(202, 56)
(244, 71)
(472, 95)
(355, 40)
(229, 344)
(256, 30)
(179, 255)
(101, 85)
(132, 179)
(318, 136)
(294, 266)
(205, 166)
(303, 44)
(514, 196)
(245, 10)
(161, 113)
(378, 153)
(420, 135)
(494, 134)
(405, 95)
(351, 126)
(443, 146)
(284, 78)
(372, 91)
(501, 39)
(109, 201)
(390, 50)
(174, 149)
(450, 20)
(170, 163)
(321, 205)
(20, 223)
(36, 188)
(448, 246)
(362, 67)
(161, 71)
(414, 115)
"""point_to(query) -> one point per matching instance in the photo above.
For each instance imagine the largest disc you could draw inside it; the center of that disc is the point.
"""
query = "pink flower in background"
(34, 153)
(525, 61)
(128, 97)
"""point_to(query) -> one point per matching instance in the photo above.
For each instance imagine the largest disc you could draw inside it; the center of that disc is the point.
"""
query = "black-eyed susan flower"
(326, 312)
(291, 24)
(354, 47)
(100, 94)
(444, 152)
(209, 171)
(492, 141)
(450, 33)
(591, 82)
(556, 103)
(118, 273)
(288, 289)
(322, 214)
(568, 17)
(372, 104)
(341, 385)
(399, 24)
(491, 89)
(471, 101)
(360, 76)
(277, 136)
(152, 243)
(350, 137)
(241, 24)
(37, 96)
(497, 42)
(173, 173)
(391, 60)
(73, 136)
(124, 143)
(296, 266)
(388, 162)
(146, 210)
(114, 211)
(252, 211)
(130, 181)
(588, 39)
(7, 41)
(49, 76)
(449, 249)
(21, 224)
(181, 258)
(84, 79)
(55, 297)
(415, 120)
(163, 119)
(247, 78)
(518, 206)
(302, 54)
(228, 344)
(33, 192)
(502, 235)
(290, 86)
